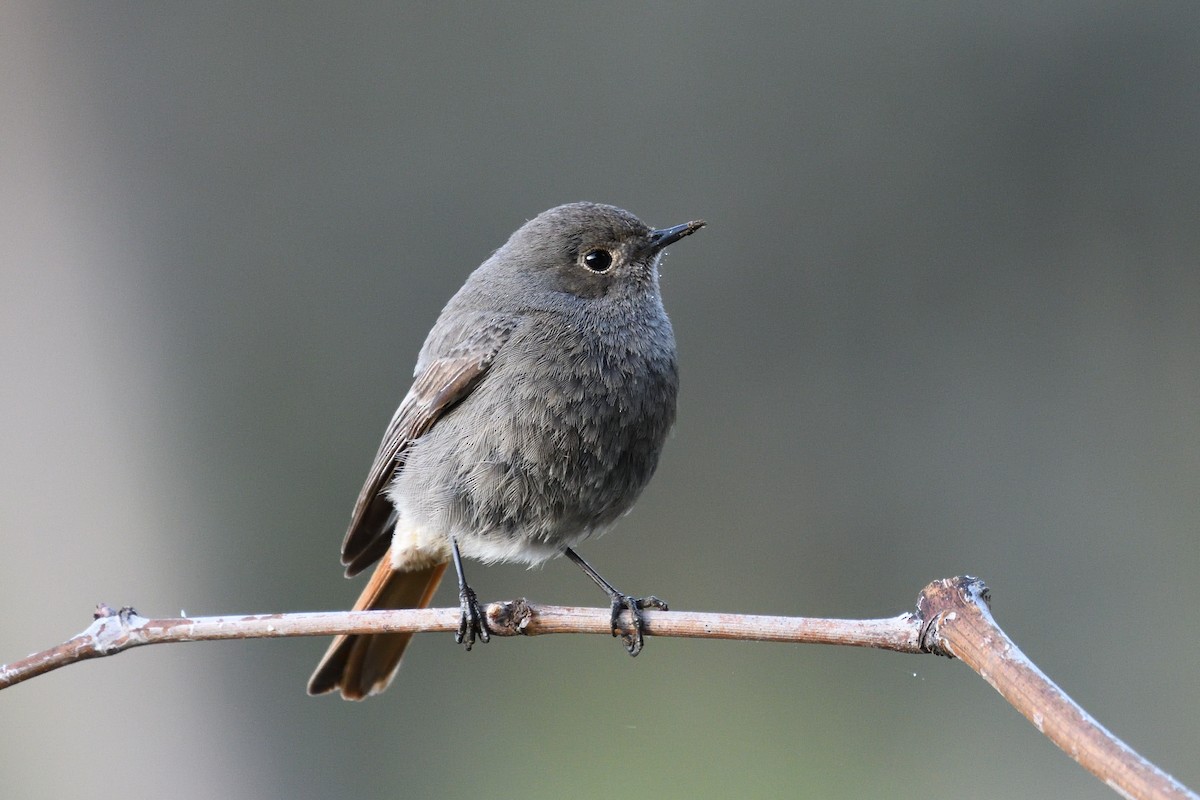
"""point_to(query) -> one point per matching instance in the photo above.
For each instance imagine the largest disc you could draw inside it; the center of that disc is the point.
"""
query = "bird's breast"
(556, 442)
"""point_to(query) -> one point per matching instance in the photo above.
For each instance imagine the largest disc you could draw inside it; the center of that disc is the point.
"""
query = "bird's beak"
(664, 236)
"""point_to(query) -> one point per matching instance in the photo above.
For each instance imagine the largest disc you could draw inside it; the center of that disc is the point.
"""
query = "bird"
(540, 403)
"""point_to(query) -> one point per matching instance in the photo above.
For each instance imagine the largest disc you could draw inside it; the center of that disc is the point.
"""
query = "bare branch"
(952, 619)
(115, 631)
(959, 623)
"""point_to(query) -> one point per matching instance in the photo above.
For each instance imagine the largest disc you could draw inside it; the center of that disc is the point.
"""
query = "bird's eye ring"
(597, 260)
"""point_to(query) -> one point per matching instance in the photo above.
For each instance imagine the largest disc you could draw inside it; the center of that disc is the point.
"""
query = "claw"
(620, 601)
(472, 624)
(633, 639)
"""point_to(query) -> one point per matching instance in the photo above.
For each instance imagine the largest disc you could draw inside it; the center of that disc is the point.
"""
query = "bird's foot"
(621, 601)
(473, 623)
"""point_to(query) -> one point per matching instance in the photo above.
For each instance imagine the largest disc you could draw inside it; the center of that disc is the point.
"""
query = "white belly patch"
(415, 547)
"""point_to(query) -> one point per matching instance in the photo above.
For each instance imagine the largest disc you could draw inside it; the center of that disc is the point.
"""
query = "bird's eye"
(597, 260)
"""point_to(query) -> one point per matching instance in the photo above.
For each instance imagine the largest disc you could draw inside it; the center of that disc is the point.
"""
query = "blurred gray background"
(945, 319)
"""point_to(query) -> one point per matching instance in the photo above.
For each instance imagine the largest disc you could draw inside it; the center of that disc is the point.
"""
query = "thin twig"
(115, 631)
(952, 619)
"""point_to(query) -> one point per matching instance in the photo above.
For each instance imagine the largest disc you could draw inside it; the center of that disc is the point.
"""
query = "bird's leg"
(474, 622)
(620, 601)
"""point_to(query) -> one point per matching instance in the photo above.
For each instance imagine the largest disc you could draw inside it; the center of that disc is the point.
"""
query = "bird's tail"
(362, 665)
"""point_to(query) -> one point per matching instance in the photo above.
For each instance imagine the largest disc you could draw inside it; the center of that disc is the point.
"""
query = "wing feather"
(440, 384)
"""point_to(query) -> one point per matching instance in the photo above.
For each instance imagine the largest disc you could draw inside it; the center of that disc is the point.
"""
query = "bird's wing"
(440, 384)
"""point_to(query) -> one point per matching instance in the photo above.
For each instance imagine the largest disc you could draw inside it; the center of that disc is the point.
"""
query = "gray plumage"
(541, 401)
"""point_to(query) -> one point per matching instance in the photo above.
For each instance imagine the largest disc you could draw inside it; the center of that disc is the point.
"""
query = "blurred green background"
(945, 319)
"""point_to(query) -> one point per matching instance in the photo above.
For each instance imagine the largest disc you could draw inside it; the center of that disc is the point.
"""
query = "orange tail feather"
(362, 665)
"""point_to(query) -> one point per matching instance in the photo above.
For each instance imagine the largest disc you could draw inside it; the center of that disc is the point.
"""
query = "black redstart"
(539, 407)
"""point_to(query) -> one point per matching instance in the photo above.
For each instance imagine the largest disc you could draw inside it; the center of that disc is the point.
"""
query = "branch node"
(941, 602)
(930, 636)
(115, 630)
(509, 618)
